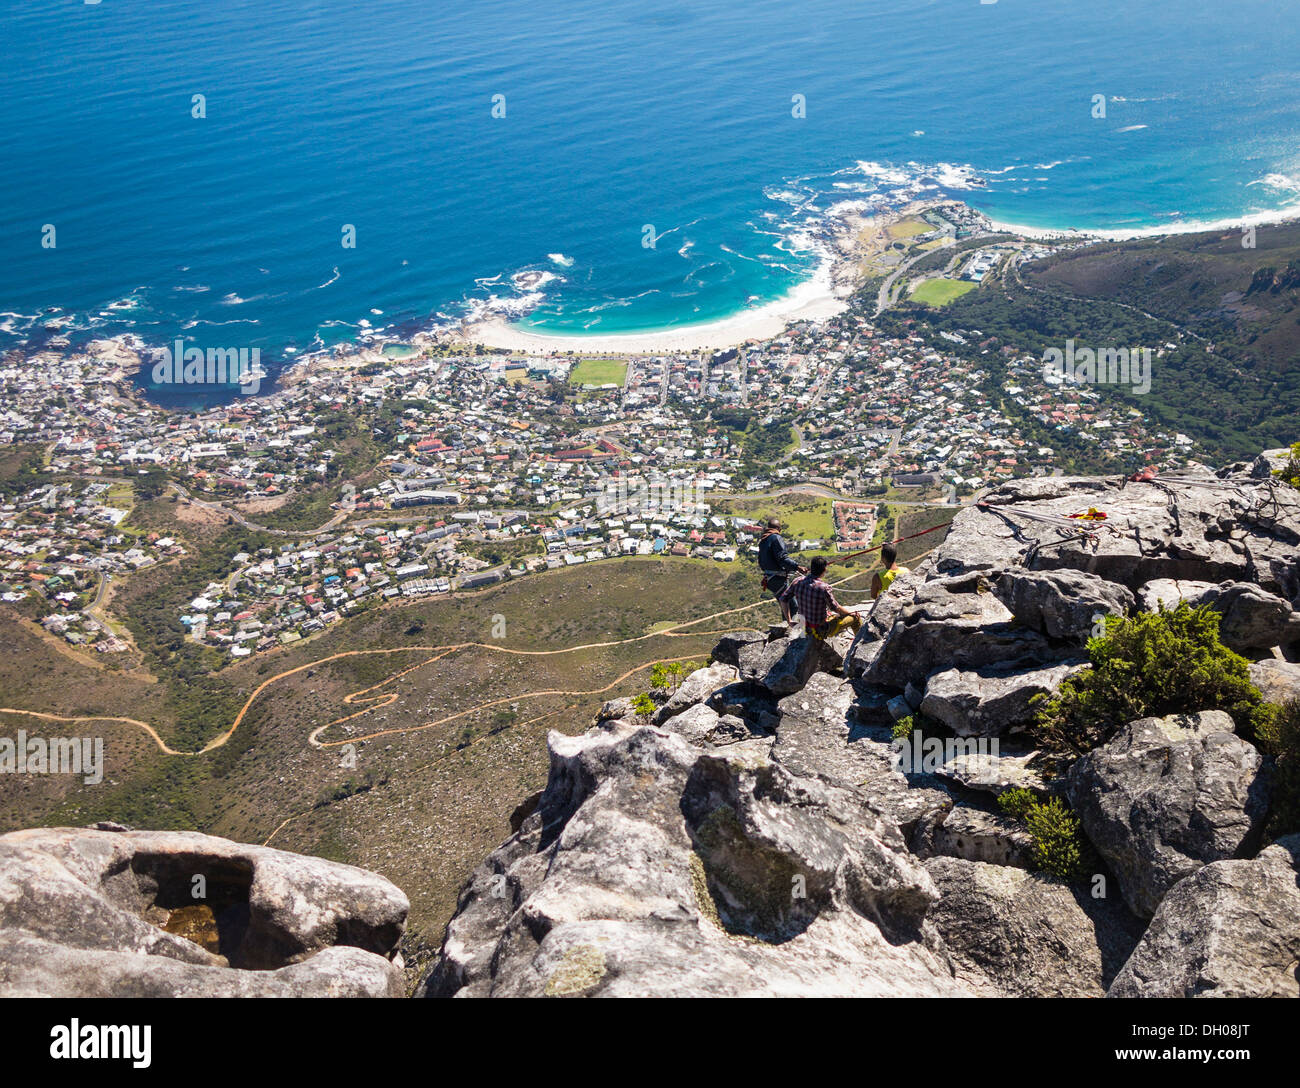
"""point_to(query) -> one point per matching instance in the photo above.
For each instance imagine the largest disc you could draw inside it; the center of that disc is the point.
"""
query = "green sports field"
(598, 372)
(940, 292)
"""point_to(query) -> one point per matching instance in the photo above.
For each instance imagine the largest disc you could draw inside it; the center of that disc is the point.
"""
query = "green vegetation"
(1059, 849)
(1058, 844)
(806, 517)
(762, 443)
(1150, 665)
(908, 228)
(1016, 802)
(1290, 472)
(21, 467)
(643, 704)
(357, 453)
(903, 728)
(940, 292)
(1279, 736)
(671, 675)
(599, 372)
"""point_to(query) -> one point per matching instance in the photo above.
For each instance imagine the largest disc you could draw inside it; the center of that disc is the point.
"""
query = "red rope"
(877, 547)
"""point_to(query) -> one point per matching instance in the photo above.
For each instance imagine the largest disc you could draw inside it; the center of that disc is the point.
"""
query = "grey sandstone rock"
(1166, 796)
(993, 700)
(1062, 604)
(952, 623)
(1231, 929)
(85, 911)
(654, 867)
(1252, 618)
(784, 665)
(975, 835)
(818, 735)
(729, 646)
(697, 687)
(1278, 681)
(1026, 935)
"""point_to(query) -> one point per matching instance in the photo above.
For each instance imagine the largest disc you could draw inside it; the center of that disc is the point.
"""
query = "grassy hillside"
(1247, 301)
(1229, 382)
(425, 799)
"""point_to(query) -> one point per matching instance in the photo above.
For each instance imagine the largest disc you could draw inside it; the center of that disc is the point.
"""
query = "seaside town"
(451, 467)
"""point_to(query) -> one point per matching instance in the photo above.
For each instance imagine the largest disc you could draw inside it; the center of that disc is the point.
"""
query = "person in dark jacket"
(776, 566)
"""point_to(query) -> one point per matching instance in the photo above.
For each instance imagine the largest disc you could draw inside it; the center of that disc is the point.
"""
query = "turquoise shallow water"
(675, 117)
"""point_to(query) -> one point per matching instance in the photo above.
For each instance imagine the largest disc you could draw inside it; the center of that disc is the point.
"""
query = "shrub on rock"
(1150, 665)
(1280, 738)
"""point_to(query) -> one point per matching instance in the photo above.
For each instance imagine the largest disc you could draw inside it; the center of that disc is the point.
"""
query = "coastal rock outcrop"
(89, 912)
(765, 837)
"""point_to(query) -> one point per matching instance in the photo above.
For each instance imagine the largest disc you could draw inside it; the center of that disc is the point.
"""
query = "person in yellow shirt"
(885, 578)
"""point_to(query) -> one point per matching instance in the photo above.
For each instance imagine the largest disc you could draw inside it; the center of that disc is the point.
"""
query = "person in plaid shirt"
(823, 614)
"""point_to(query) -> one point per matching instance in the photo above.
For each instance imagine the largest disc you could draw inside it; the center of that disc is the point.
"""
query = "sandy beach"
(814, 300)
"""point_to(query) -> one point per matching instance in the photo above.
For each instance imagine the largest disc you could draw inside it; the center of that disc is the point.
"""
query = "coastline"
(823, 295)
(813, 300)
(1276, 217)
(844, 239)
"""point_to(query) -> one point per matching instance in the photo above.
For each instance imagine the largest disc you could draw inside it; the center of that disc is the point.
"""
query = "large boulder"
(1231, 929)
(953, 623)
(1023, 934)
(703, 725)
(879, 620)
(993, 700)
(1166, 796)
(173, 913)
(820, 735)
(974, 834)
(1252, 617)
(653, 867)
(729, 645)
(697, 687)
(994, 772)
(1168, 593)
(1062, 604)
(1278, 681)
(784, 665)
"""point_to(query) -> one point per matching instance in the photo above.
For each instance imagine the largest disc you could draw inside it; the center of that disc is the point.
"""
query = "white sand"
(813, 300)
(1174, 226)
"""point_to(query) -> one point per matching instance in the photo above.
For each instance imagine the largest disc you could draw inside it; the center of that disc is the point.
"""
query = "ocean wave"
(560, 259)
(1281, 182)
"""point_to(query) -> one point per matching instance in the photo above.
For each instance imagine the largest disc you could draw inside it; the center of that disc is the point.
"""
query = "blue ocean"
(513, 157)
